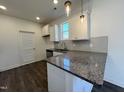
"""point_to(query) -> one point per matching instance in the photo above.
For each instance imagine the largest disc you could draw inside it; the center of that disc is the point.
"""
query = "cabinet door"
(56, 79)
(85, 27)
(74, 28)
(54, 33)
(62, 81)
(45, 30)
(75, 84)
(78, 30)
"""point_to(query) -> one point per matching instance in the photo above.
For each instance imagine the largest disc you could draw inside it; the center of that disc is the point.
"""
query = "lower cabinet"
(62, 81)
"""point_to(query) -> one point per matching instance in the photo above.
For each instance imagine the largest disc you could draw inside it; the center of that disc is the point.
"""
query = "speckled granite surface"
(88, 65)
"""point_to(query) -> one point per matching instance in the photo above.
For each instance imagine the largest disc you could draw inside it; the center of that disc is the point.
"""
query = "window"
(65, 31)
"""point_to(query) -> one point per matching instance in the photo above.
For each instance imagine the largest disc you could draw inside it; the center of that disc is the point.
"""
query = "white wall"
(107, 19)
(9, 51)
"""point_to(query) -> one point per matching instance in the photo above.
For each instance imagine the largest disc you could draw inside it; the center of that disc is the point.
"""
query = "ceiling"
(29, 9)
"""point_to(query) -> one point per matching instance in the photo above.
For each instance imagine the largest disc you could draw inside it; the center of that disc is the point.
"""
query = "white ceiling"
(29, 9)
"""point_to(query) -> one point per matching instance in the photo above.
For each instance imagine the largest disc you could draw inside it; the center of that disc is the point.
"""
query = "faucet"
(63, 45)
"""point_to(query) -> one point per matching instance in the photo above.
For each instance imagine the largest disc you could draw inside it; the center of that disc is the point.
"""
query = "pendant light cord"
(82, 6)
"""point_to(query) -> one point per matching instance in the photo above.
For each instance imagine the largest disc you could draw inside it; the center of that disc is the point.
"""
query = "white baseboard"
(14, 66)
(121, 84)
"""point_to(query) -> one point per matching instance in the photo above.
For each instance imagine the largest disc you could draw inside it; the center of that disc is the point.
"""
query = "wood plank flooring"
(33, 78)
(28, 78)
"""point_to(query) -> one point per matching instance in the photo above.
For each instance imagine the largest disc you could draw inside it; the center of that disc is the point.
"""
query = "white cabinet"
(45, 30)
(75, 84)
(54, 33)
(79, 30)
(55, 79)
(62, 81)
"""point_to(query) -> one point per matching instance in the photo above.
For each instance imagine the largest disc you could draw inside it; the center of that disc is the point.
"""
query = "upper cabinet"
(79, 30)
(71, 29)
(54, 33)
(45, 31)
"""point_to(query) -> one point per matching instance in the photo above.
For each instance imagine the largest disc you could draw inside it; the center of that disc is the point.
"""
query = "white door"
(27, 46)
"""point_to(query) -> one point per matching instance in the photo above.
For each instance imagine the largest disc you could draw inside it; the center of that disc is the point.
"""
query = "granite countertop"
(87, 65)
(58, 50)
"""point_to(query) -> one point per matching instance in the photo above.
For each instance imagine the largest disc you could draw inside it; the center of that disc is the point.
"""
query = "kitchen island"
(87, 66)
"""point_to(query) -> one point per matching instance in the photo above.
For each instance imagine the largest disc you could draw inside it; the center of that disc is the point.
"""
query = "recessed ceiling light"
(3, 7)
(38, 18)
(55, 1)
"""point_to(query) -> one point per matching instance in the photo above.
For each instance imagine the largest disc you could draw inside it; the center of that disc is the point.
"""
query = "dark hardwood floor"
(33, 78)
(28, 78)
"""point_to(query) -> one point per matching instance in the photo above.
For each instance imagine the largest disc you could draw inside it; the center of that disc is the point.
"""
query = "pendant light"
(82, 15)
(68, 7)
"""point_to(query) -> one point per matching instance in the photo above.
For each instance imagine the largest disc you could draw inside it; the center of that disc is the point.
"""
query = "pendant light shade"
(82, 18)
(68, 7)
